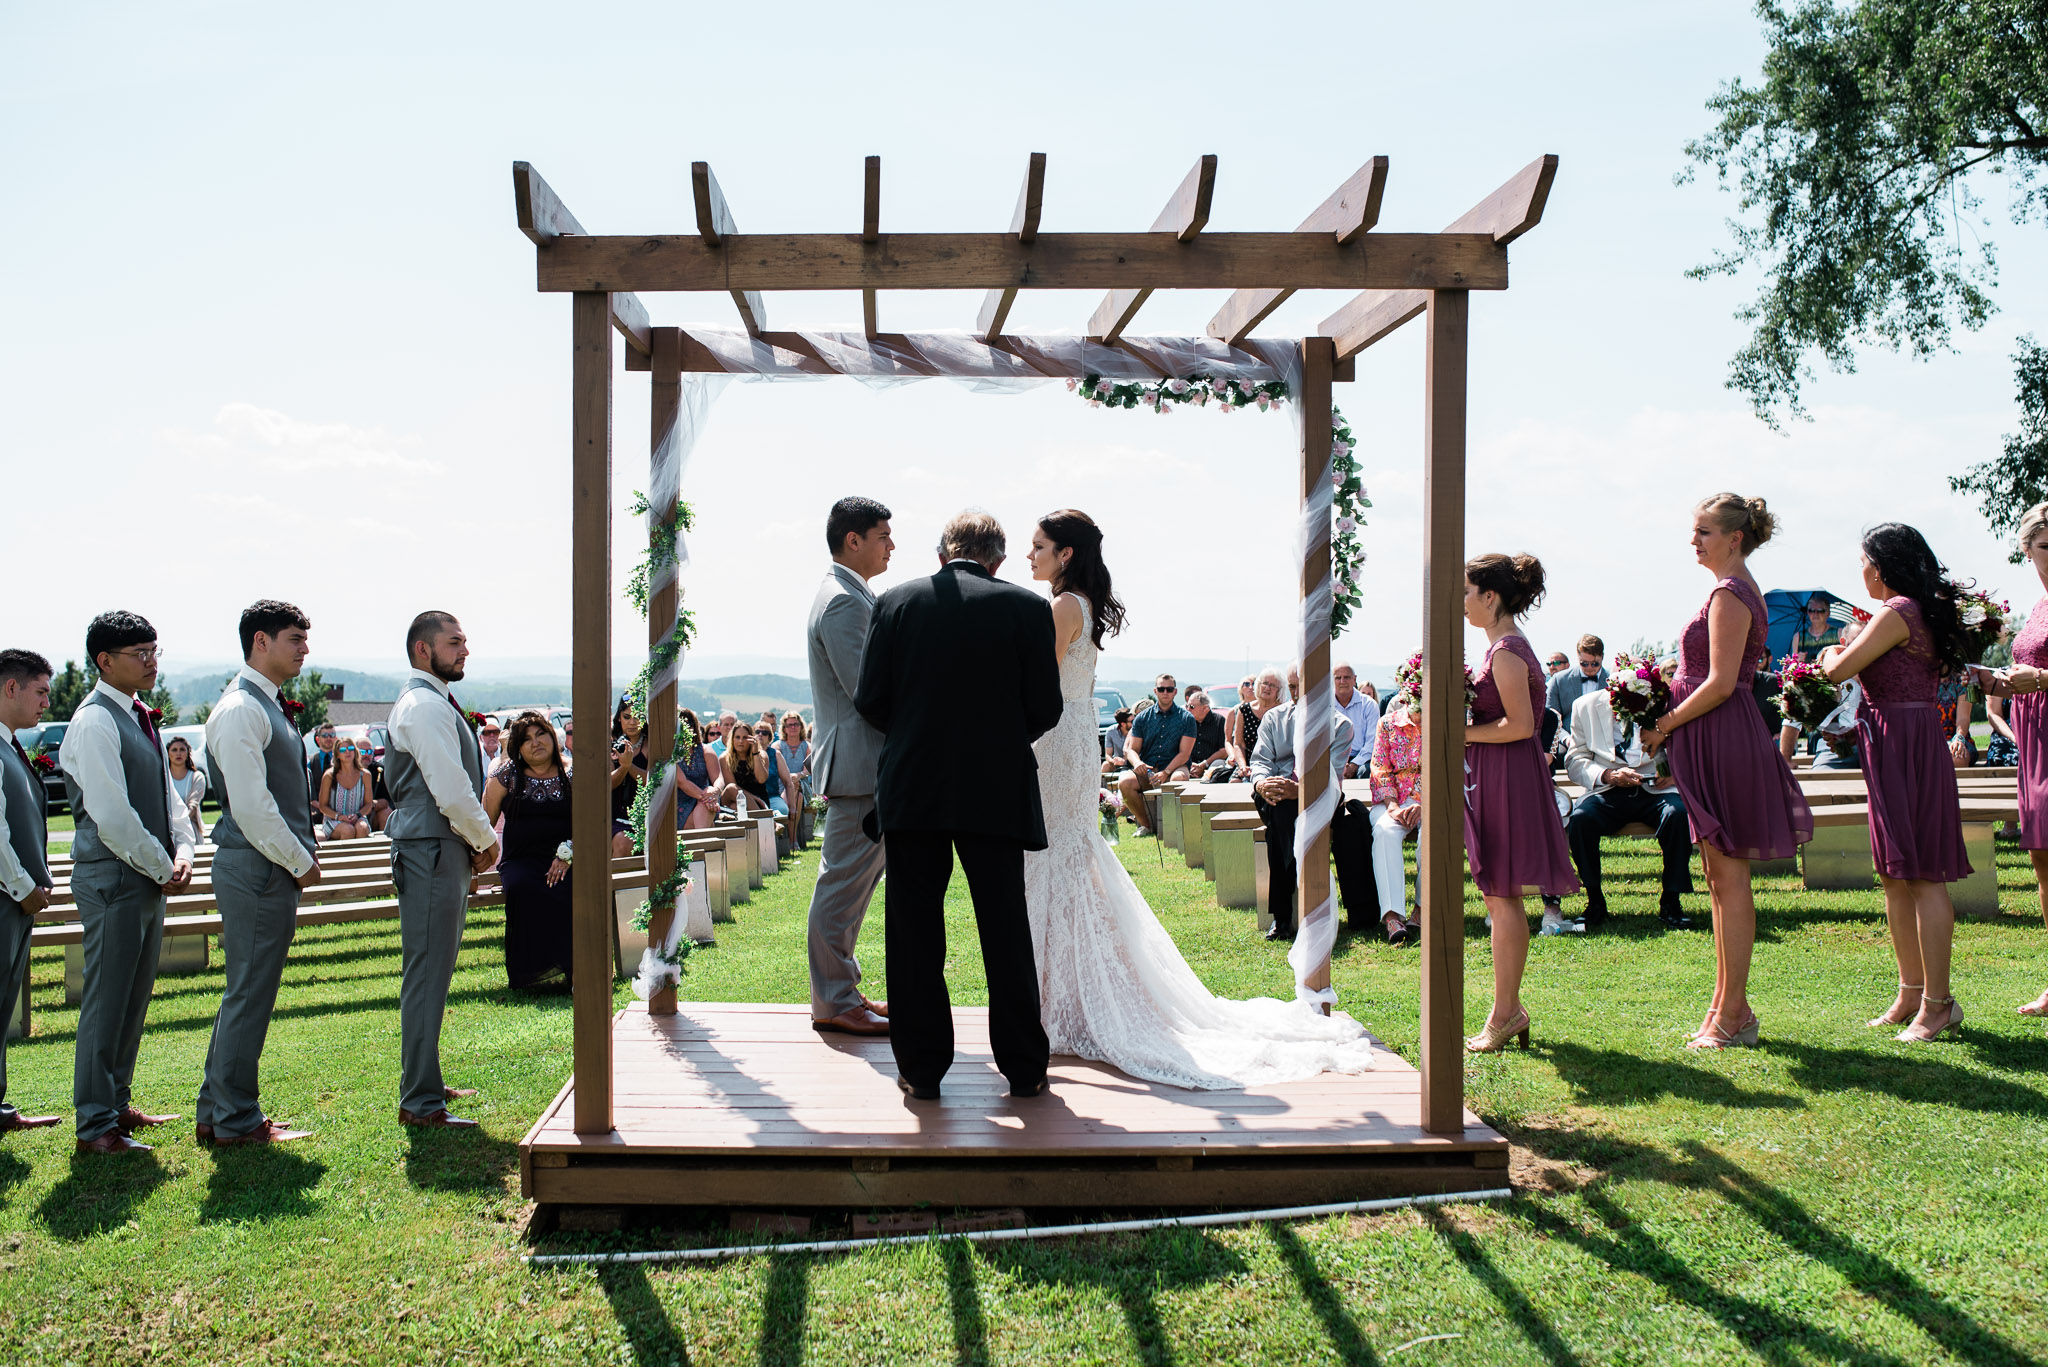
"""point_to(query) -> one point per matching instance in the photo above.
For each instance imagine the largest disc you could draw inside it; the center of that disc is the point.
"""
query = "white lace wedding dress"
(1111, 984)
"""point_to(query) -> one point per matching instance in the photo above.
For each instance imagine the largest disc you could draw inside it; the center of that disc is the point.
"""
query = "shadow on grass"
(1132, 1269)
(1615, 1077)
(649, 1331)
(785, 1309)
(323, 1010)
(102, 1192)
(963, 1296)
(1498, 1284)
(1915, 1074)
(260, 1182)
(13, 1172)
(1771, 1333)
(1345, 1336)
(441, 1159)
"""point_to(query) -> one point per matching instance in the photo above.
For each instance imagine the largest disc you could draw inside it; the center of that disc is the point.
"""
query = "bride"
(1112, 986)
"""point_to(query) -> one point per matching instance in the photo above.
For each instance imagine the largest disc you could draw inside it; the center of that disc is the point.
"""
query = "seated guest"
(721, 732)
(380, 796)
(1161, 741)
(629, 769)
(1113, 741)
(2004, 747)
(1364, 712)
(746, 760)
(1241, 735)
(1624, 784)
(188, 781)
(1396, 769)
(792, 755)
(323, 755)
(1209, 752)
(764, 741)
(1276, 794)
(490, 739)
(344, 800)
(569, 737)
(531, 788)
(1370, 690)
(1817, 630)
(1567, 687)
(1953, 697)
(700, 776)
(1558, 663)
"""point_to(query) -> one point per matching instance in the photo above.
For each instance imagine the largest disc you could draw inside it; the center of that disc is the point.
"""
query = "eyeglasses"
(148, 655)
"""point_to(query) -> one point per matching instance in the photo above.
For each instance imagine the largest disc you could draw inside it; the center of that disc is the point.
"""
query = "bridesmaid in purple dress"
(2028, 715)
(1739, 793)
(1916, 824)
(1513, 839)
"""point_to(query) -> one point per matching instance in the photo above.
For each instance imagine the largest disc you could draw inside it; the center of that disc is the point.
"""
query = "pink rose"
(1071, 383)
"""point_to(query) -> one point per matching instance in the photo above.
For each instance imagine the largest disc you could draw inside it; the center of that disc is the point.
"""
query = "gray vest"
(27, 829)
(284, 774)
(146, 778)
(414, 813)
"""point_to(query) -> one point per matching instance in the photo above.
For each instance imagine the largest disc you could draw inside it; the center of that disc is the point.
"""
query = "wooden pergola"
(1396, 277)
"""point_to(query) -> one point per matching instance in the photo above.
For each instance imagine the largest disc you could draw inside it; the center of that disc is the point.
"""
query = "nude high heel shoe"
(1713, 1037)
(1492, 1039)
(1953, 1025)
(1889, 1018)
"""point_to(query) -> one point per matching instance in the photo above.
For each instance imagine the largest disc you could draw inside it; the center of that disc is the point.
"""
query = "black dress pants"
(1603, 813)
(1350, 850)
(920, 1010)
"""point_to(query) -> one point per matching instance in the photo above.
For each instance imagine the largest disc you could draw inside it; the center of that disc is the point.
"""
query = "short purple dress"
(1916, 819)
(2028, 715)
(1513, 837)
(1739, 793)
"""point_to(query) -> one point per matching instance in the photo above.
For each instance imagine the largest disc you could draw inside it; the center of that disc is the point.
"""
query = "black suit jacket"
(960, 678)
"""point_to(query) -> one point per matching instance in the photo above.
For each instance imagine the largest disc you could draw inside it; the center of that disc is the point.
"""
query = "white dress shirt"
(425, 727)
(1365, 724)
(91, 756)
(14, 879)
(238, 730)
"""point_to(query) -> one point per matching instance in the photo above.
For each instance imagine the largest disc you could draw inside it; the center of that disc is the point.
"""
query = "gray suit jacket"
(847, 748)
(1272, 754)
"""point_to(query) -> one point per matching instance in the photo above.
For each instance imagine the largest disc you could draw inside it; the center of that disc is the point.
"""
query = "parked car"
(1107, 703)
(48, 737)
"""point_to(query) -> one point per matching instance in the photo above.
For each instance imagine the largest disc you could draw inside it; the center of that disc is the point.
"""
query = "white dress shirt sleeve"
(91, 756)
(14, 879)
(236, 733)
(426, 730)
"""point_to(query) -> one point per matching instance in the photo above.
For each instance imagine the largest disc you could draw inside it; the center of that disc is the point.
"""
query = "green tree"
(2015, 481)
(69, 688)
(1856, 157)
(307, 689)
(160, 698)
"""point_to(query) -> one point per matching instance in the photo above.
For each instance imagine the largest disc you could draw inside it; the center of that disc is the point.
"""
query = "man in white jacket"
(1623, 785)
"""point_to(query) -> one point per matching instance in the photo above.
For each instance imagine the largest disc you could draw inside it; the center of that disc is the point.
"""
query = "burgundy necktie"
(142, 717)
(16, 742)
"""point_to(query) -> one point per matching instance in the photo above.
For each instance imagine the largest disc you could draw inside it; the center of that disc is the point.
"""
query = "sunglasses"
(1167, 688)
(345, 748)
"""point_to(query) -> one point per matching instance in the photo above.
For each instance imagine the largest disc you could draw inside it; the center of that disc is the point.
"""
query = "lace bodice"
(1695, 654)
(1909, 671)
(2030, 647)
(1112, 984)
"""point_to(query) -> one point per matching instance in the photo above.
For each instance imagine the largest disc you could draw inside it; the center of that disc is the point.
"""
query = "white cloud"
(245, 436)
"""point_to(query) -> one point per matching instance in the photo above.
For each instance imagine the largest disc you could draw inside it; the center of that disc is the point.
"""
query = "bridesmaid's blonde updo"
(2032, 522)
(1734, 513)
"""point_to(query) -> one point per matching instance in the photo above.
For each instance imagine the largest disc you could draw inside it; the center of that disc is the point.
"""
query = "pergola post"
(664, 492)
(590, 690)
(1318, 367)
(1441, 860)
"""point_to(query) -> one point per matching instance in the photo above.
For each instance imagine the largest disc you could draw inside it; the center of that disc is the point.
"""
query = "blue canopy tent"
(1787, 608)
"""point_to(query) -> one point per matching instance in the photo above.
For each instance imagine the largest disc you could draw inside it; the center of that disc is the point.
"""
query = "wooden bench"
(1839, 857)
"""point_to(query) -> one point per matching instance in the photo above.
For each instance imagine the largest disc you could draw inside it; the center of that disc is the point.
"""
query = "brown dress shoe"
(857, 1020)
(456, 1093)
(132, 1120)
(452, 1122)
(18, 1121)
(202, 1133)
(113, 1141)
(879, 1008)
(269, 1132)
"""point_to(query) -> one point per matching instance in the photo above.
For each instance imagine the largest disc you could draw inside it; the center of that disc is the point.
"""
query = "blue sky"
(273, 324)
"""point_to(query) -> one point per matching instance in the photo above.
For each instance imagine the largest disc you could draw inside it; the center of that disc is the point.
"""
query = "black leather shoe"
(1593, 919)
(1035, 1089)
(904, 1085)
(1280, 932)
(1674, 919)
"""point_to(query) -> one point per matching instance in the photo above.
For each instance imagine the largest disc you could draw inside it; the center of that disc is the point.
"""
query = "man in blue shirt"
(1364, 713)
(1161, 740)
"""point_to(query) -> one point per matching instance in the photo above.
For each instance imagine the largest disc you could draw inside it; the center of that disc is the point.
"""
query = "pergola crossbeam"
(1504, 215)
(1351, 211)
(1186, 214)
(715, 224)
(546, 220)
(995, 310)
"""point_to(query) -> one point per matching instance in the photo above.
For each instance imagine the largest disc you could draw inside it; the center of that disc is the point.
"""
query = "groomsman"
(132, 846)
(25, 884)
(848, 748)
(263, 857)
(440, 838)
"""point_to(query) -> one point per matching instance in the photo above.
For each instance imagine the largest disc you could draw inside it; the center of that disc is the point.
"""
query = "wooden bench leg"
(1263, 872)
(1838, 858)
(1977, 896)
(1233, 858)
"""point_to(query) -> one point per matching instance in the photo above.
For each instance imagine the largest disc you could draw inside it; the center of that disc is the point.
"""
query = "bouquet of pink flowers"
(1805, 694)
(1638, 692)
(1984, 619)
(1408, 680)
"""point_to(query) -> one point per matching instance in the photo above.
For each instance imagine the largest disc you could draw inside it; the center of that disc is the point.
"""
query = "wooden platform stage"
(736, 1104)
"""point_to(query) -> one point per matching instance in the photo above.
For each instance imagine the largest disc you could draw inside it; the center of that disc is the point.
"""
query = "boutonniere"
(292, 708)
(476, 720)
(43, 762)
(156, 716)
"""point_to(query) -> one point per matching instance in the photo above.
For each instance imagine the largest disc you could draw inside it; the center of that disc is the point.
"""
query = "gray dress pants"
(849, 866)
(122, 915)
(259, 913)
(432, 878)
(15, 925)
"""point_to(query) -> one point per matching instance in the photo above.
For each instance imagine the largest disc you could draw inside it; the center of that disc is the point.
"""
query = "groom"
(937, 646)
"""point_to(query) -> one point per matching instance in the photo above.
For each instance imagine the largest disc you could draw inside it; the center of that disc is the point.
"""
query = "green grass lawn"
(1829, 1197)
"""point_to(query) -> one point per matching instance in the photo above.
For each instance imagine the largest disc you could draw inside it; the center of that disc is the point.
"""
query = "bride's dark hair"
(1070, 529)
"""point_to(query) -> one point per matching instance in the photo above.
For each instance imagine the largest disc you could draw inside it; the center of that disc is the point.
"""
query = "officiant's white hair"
(973, 534)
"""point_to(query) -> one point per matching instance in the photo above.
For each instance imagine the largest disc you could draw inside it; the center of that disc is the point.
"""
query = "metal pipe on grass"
(986, 1236)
